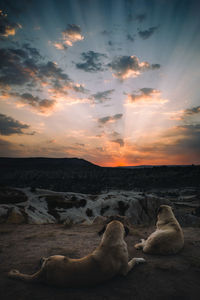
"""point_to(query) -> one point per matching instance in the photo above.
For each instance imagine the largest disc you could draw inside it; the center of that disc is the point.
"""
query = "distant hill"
(80, 176)
(44, 163)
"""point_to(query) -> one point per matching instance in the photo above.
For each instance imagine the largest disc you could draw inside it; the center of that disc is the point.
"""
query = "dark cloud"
(101, 97)
(9, 126)
(155, 66)
(24, 66)
(188, 140)
(110, 43)
(129, 66)
(192, 111)
(72, 29)
(7, 27)
(91, 62)
(119, 141)
(130, 38)
(107, 119)
(16, 66)
(42, 105)
(141, 17)
(33, 52)
(146, 95)
(51, 70)
(145, 34)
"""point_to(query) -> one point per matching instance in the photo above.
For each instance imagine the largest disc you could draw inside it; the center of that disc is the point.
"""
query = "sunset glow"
(92, 79)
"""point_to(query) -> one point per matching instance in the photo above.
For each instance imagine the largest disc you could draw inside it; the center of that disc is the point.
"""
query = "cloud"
(6, 27)
(9, 126)
(60, 46)
(146, 96)
(130, 38)
(91, 62)
(145, 34)
(119, 141)
(51, 70)
(191, 111)
(42, 105)
(24, 66)
(17, 66)
(107, 119)
(129, 66)
(101, 97)
(72, 34)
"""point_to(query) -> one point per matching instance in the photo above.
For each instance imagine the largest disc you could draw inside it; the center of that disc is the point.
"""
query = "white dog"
(168, 237)
(109, 259)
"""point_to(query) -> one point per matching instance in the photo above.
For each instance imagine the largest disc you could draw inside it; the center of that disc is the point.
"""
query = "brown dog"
(168, 237)
(109, 259)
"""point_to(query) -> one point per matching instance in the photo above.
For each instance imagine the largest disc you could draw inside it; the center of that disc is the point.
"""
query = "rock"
(11, 196)
(15, 216)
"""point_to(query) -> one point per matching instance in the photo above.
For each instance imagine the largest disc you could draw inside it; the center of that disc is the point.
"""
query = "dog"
(168, 237)
(109, 259)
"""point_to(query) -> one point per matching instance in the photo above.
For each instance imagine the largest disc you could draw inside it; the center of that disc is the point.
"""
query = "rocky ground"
(170, 277)
(38, 206)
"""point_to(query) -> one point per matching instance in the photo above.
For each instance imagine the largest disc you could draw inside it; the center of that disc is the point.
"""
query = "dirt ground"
(170, 277)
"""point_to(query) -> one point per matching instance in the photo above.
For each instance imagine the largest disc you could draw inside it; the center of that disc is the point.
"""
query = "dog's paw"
(140, 260)
(138, 246)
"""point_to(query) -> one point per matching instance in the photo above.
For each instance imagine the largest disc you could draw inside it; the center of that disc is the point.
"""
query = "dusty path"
(172, 277)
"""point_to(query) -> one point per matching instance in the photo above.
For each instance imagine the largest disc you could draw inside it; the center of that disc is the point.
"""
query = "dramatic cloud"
(146, 96)
(23, 67)
(129, 66)
(130, 38)
(91, 62)
(101, 97)
(41, 105)
(145, 34)
(9, 126)
(107, 119)
(6, 27)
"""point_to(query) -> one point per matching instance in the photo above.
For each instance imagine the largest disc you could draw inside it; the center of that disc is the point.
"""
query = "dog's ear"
(126, 229)
(102, 230)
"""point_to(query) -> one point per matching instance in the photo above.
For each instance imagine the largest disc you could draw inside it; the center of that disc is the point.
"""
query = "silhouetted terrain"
(78, 175)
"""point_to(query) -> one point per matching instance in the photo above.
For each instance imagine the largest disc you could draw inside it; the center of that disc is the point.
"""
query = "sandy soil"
(172, 277)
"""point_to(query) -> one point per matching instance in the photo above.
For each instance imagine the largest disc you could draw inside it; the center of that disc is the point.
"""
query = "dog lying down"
(168, 237)
(109, 259)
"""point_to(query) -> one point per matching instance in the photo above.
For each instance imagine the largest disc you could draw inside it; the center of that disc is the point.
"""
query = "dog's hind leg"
(36, 277)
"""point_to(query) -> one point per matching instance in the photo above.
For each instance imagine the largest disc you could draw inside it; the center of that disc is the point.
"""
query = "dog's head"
(165, 212)
(126, 229)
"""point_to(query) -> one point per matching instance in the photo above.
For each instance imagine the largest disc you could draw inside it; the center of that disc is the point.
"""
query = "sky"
(115, 82)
